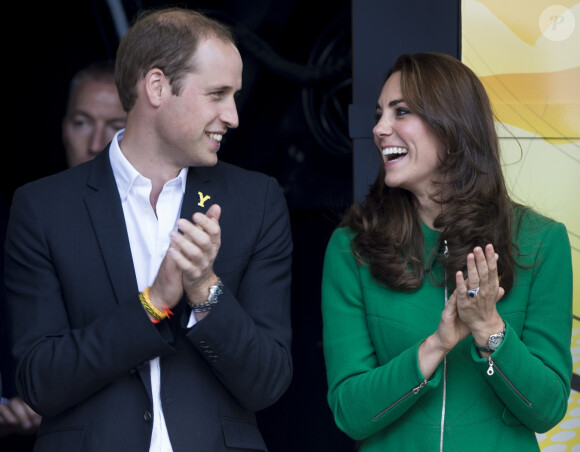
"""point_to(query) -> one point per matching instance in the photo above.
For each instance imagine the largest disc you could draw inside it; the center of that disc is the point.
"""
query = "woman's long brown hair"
(475, 205)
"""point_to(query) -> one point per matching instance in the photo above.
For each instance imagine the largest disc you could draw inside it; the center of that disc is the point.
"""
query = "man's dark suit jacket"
(82, 340)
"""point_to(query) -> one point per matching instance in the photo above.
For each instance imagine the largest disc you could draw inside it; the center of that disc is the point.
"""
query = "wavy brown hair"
(475, 205)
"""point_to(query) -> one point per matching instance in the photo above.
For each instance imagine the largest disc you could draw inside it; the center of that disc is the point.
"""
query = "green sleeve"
(534, 364)
(363, 396)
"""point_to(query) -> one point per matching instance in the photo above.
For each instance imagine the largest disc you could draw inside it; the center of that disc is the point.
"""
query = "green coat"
(372, 335)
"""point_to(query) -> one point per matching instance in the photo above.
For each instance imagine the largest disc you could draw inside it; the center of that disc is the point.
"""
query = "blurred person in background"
(93, 112)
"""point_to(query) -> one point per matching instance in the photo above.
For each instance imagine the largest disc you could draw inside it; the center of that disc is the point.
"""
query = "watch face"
(495, 340)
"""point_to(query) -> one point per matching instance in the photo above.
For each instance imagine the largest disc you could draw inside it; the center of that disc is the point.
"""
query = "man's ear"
(156, 86)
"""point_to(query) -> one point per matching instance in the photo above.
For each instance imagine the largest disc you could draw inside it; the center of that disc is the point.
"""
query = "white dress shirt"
(149, 240)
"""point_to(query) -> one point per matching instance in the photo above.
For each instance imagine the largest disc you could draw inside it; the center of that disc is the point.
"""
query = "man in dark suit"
(93, 116)
(148, 289)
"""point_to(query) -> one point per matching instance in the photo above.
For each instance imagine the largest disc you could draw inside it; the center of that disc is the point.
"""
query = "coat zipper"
(445, 297)
(414, 391)
(490, 372)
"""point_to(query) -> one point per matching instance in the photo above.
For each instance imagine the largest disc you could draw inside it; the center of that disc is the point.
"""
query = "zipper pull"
(490, 370)
(418, 388)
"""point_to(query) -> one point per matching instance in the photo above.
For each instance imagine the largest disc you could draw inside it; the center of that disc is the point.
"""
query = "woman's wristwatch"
(493, 342)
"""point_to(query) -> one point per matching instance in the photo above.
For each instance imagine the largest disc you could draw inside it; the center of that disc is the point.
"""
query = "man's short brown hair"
(165, 39)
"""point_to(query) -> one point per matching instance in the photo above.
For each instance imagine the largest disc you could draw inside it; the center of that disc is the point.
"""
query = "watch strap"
(213, 297)
(492, 342)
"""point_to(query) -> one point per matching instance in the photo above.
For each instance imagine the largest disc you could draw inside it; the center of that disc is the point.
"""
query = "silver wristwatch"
(493, 342)
(214, 294)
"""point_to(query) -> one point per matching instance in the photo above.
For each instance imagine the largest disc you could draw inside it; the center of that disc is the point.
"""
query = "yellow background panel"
(527, 54)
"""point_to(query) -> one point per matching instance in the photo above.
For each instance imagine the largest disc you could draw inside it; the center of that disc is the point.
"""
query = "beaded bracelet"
(158, 314)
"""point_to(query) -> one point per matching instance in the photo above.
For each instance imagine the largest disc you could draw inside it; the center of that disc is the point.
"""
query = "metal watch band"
(214, 293)
(493, 342)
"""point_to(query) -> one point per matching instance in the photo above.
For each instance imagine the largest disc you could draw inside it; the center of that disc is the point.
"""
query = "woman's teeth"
(393, 153)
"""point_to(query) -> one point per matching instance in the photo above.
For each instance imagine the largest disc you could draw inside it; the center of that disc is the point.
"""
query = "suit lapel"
(200, 192)
(106, 212)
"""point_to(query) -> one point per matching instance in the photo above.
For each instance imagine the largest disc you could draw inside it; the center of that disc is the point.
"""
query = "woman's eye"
(378, 116)
(402, 111)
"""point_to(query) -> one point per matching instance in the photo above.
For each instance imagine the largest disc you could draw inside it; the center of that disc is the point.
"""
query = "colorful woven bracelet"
(158, 314)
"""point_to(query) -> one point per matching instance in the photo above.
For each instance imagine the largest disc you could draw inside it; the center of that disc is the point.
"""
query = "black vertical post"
(383, 30)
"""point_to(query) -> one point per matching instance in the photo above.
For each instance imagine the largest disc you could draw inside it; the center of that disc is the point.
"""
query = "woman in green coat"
(447, 307)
